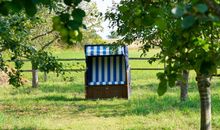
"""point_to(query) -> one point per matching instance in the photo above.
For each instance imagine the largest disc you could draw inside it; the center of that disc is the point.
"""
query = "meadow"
(61, 104)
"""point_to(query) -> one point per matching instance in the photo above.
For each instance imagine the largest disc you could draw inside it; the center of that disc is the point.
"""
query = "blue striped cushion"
(109, 70)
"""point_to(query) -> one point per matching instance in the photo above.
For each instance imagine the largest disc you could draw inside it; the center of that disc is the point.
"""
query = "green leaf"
(137, 21)
(202, 8)
(148, 21)
(172, 80)
(30, 8)
(64, 17)
(162, 89)
(161, 23)
(207, 67)
(194, 1)
(123, 8)
(76, 2)
(160, 75)
(68, 2)
(56, 20)
(214, 18)
(74, 25)
(162, 85)
(3, 9)
(178, 11)
(188, 21)
(137, 11)
(205, 47)
(16, 5)
(78, 13)
(79, 37)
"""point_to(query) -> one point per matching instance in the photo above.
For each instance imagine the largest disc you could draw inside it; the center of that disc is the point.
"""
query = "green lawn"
(61, 105)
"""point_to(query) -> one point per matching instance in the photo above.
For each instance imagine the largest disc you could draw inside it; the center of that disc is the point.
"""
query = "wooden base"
(119, 91)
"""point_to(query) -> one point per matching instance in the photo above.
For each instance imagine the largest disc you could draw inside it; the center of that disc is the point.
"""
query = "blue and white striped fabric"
(103, 50)
(110, 70)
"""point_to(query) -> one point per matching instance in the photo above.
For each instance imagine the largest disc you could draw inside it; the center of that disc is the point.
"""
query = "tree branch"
(214, 6)
(41, 35)
(47, 44)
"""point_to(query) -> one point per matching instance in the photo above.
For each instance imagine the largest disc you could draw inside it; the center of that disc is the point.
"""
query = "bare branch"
(214, 6)
(47, 44)
(41, 35)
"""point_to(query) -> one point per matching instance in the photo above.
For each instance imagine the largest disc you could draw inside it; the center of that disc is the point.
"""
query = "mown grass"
(62, 105)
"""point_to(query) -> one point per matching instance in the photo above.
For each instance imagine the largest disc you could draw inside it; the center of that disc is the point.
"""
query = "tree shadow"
(137, 105)
(153, 87)
(59, 98)
(24, 128)
(64, 88)
(151, 104)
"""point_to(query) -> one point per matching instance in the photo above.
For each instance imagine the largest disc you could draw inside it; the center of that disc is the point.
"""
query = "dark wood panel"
(119, 91)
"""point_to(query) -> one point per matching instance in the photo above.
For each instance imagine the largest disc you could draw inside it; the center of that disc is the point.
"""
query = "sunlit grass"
(62, 105)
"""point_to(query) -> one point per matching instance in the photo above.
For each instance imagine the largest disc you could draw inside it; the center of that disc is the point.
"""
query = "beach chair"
(107, 72)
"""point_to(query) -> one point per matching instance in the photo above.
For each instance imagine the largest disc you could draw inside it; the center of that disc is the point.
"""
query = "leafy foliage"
(15, 31)
(68, 19)
(15, 41)
(20, 20)
(186, 32)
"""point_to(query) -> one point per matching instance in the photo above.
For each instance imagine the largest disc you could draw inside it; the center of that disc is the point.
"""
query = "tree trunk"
(34, 78)
(203, 83)
(45, 77)
(184, 86)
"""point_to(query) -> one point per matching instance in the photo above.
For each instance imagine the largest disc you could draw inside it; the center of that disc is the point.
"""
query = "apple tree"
(187, 34)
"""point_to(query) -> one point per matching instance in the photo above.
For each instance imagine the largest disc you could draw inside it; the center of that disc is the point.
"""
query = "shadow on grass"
(138, 104)
(24, 128)
(62, 88)
(137, 107)
(153, 87)
(153, 104)
(156, 105)
(59, 98)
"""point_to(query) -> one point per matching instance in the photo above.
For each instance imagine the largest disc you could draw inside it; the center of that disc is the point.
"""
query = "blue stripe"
(89, 72)
(103, 69)
(104, 50)
(97, 69)
(92, 51)
(120, 68)
(100, 69)
(98, 51)
(114, 68)
(109, 69)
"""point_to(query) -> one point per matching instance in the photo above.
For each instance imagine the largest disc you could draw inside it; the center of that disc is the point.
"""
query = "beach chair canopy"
(106, 65)
(105, 50)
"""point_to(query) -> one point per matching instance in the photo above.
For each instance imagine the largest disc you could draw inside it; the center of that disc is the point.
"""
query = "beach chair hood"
(105, 50)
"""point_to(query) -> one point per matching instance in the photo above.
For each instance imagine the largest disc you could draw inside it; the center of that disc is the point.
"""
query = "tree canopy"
(18, 18)
(185, 31)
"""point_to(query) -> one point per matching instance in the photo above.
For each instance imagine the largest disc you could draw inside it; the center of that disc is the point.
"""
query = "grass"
(61, 105)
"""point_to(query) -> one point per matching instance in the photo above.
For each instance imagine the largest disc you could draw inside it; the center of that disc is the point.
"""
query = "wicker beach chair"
(107, 72)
